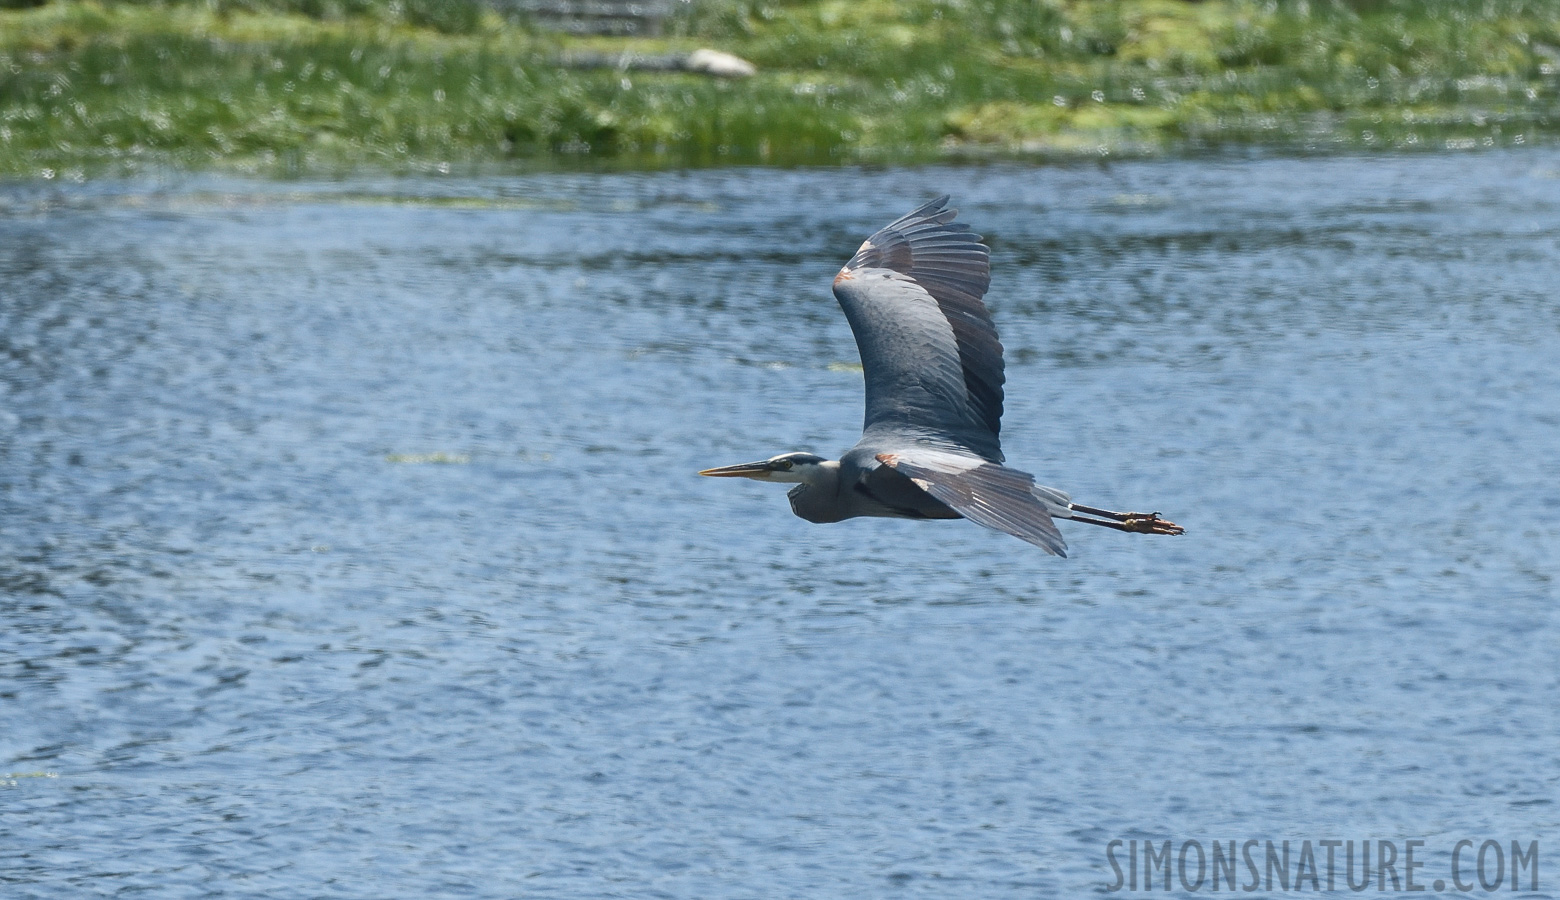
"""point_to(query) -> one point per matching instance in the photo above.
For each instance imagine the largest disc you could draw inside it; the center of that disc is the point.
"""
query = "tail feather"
(1058, 503)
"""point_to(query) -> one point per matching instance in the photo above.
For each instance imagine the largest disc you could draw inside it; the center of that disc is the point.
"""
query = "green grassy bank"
(319, 85)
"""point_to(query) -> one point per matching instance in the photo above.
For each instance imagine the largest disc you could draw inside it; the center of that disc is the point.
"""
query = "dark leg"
(1138, 523)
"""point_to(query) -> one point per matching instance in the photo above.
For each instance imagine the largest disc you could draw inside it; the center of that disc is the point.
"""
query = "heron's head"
(787, 468)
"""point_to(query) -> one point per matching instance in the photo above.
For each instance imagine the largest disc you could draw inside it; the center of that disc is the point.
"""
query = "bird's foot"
(1149, 524)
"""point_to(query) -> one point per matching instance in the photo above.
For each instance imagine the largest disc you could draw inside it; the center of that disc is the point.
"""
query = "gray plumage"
(930, 445)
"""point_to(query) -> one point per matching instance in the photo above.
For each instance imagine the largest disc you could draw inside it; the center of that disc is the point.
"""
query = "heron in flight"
(933, 366)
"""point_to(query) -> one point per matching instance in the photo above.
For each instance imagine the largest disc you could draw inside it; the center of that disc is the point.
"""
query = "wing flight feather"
(929, 350)
(987, 494)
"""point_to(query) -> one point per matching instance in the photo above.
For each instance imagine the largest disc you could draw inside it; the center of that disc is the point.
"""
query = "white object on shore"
(718, 63)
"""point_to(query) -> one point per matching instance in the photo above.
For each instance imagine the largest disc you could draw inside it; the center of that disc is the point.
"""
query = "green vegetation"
(310, 85)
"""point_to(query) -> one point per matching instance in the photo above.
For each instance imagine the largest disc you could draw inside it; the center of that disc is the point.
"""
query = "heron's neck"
(824, 477)
(816, 499)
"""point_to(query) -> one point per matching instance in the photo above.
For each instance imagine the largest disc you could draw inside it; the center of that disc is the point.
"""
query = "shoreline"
(88, 89)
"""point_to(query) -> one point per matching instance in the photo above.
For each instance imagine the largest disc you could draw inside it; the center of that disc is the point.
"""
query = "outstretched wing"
(929, 350)
(985, 493)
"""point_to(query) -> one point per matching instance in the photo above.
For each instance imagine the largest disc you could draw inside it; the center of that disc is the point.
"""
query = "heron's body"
(930, 446)
(858, 485)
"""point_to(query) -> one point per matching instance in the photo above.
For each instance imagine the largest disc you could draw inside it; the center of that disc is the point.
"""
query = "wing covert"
(929, 350)
(987, 494)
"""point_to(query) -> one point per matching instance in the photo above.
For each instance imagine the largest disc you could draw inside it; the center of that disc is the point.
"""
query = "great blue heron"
(933, 365)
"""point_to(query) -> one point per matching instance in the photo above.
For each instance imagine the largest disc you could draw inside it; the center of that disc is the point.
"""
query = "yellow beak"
(742, 470)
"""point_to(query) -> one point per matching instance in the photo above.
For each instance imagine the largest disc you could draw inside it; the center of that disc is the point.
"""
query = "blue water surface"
(351, 546)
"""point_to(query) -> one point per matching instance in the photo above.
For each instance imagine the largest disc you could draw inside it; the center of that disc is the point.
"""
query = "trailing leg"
(1137, 523)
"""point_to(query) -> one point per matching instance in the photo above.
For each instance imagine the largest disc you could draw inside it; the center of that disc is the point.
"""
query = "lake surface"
(350, 542)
